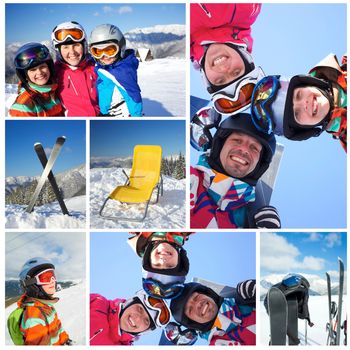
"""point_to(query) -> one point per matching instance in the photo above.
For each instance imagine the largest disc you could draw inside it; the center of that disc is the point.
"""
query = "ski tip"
(36, 144)
(340, 259)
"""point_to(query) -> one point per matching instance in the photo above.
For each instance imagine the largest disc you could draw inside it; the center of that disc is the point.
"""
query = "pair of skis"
(333, 328)
(47, 174)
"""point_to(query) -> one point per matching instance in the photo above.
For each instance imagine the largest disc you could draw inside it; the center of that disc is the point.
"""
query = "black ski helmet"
(26, 52)
(26, 277)
(182, 267)
(242, 122)
(281, 109)
(177, 306)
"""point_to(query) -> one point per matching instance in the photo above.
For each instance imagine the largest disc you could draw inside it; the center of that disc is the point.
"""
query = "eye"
(296, 114)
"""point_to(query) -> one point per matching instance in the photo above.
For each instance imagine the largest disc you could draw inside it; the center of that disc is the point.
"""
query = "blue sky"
(21, 158)
(312, 252)
(115, 270)
(310, 191)
(117, 138)
(21, 27)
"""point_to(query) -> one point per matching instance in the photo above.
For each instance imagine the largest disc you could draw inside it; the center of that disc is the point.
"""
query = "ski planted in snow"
(39, 149)
(278, 314)
(340, 299)
(332, 310)
(49, 165)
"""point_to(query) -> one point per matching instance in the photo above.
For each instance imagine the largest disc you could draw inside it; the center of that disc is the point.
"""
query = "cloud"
(313, 237)
(65, 249)
(333, 239)
(96, 14)
(107, 9)
(277, 255)
(124, 9)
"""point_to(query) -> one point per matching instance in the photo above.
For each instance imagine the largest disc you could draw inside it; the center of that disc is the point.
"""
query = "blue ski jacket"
(120, 75)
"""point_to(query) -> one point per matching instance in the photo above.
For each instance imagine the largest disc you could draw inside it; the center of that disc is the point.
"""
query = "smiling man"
(221, 321)
(223, 182)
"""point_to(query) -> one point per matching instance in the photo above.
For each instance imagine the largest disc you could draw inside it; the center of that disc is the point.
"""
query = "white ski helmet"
(105, 33)
(68, 38)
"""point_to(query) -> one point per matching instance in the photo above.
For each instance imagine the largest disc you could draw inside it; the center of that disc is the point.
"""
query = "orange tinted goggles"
(109, 50)
(45, 277)
(227, 105)
(164, 315)
(74, 33)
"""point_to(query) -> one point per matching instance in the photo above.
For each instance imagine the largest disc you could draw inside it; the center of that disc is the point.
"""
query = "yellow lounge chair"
(145, 176)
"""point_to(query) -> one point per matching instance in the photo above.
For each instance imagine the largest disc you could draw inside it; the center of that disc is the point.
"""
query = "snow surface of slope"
(71, 311)
(48, 215)
(168, 213)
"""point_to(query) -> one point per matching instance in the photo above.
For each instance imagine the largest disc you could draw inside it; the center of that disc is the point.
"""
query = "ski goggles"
(76, 34)
(177, 336)
(45, 277)
(25, 59)
(157, 289)
(264, 94)
(163, 313)
(110, 50)
(228, 104)
(292, 280)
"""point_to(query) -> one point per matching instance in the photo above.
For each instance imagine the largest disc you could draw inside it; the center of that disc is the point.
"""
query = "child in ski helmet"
(121, 322)
(37, 89)
(164, 262)
(304, 106)
(221, 321)
(223, 182)
(118, 91)
(221, 46)
(75, 70)
(40, 324)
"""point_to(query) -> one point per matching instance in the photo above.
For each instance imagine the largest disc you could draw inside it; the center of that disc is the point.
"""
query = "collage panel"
(45, 288)
(45, 176)
(254, 66)
(303, 288)
(92, 60)
(163, 290)
(137, 174)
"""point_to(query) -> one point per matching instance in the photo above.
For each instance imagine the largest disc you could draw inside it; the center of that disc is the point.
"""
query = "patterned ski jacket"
(117, 85)
(104, 322)
(220, 23)
(217, 200)
(40, 324)
(77, 89)
(330, 70)
(234, 325)
(39, 101)
(139, 241)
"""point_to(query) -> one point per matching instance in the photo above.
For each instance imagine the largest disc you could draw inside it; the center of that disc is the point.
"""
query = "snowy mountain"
(169, 212)
(70, 309)
(110, 162)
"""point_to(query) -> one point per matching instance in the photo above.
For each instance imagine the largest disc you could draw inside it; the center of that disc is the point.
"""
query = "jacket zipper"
(205, 10)
(71, 82)
(96, 333)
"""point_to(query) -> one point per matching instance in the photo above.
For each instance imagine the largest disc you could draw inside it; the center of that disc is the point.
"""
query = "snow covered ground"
(71, 311)
(48, 215)
(162, 83)
(168, 213)
(316, 335)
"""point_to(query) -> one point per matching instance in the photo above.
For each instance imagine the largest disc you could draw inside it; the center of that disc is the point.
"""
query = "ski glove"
(245, 292)
(267, 217)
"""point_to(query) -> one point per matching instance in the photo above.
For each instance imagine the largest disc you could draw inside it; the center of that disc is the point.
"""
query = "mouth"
(205, 309)
(239, 160)
(314, 106)
(219, 60)
(131, 322)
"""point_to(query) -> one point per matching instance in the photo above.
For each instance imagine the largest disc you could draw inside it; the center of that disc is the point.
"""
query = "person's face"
(49, 289)
(72, 53)
(223, 64)
(39, 75)
(201, 308)
(164, 256)
(240, 154)
(107, 60)
(135, 319)
(310, 106)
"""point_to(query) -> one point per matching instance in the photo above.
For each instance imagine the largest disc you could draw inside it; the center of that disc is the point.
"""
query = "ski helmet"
(177, 306)
(183, 264)
(279, 107)
(242, 122)
(157, 310)
(68, 33)
(106, 33)
(29, 56)
(29, 270)
(162, 286)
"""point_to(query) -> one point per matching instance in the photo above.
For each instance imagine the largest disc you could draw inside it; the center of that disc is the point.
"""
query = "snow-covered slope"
(316, 335)
(48, 215)
(71, 311)
(168, 213)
